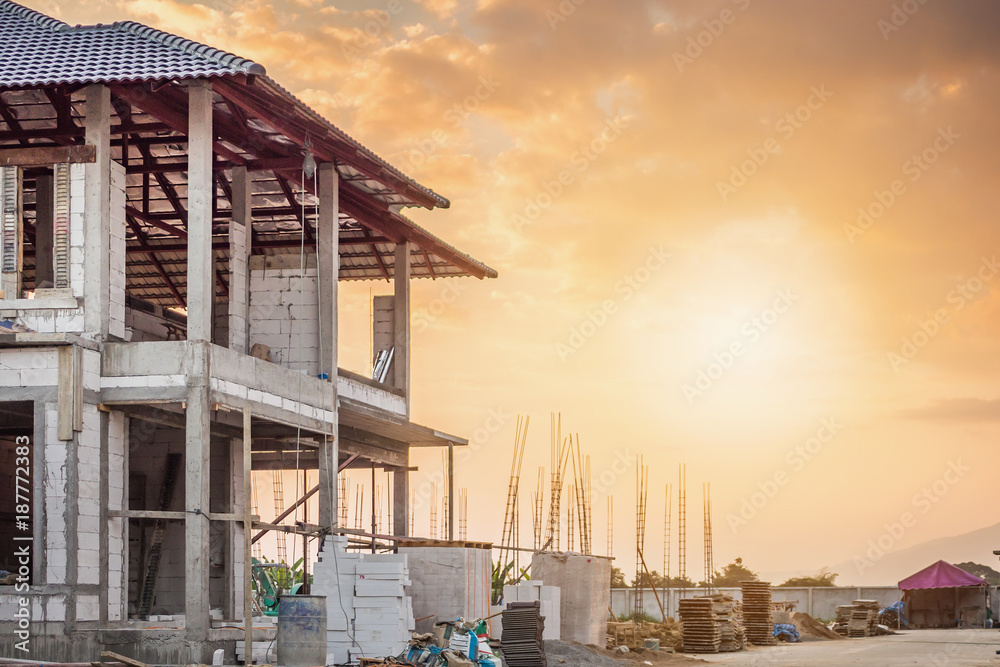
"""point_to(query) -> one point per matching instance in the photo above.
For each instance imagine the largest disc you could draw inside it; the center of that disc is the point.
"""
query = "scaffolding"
(257, 550)
(434, 512)
(278, 486)
(538, 509)
(560, 459)
(667, 512)
(611, 523)
(359, 507)
(642, 479)
(463, 514)
(709, 558)
(682, 527)
(343, 499)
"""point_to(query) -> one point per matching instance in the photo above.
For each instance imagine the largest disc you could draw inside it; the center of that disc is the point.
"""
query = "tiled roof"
(36, 50)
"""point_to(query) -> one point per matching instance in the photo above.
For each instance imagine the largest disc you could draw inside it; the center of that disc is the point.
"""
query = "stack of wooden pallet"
(699, 625)
(757, 615)
(729, 613)
(843, 618)
(871, 608)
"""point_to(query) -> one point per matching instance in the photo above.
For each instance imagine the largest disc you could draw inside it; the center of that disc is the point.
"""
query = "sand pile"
(809, 628)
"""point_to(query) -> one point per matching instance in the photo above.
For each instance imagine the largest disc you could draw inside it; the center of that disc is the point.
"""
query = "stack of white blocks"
(449, 583)
(548, 596)
(368, 612)
(263, 650)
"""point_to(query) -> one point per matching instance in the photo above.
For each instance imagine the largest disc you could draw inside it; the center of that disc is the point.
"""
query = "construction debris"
(732, 633)
(757, 615)
(857, 620)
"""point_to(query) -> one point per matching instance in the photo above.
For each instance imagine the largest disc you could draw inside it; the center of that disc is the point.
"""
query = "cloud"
(442, 8)
(957, 409)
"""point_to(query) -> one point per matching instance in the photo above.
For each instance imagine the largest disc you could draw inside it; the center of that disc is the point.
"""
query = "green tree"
(733, 574)
(822, 578)
(641, 581)
(618, 578)
(982, 571)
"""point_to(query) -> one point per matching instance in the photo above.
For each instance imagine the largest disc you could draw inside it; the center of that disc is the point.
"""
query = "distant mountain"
(888, 569)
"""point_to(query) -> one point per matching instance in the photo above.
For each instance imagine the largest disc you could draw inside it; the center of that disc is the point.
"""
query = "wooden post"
(649, 578)
(247, 527)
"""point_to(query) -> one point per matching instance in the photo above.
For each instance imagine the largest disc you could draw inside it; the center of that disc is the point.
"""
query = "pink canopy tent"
(940, 575)
(943, 596)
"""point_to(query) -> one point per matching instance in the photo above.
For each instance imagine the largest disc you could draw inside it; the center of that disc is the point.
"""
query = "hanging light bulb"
(309, 164)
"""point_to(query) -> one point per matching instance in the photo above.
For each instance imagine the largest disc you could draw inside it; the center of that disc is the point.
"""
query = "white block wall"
(88, 553)
(449, 583)
(55, 481)
(237, 277)
(117, 535)
(116, 258)
(29, 367)
(284, 315)
(77, 241)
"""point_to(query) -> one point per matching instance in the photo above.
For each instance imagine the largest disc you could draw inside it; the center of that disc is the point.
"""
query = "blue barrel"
(302, 631)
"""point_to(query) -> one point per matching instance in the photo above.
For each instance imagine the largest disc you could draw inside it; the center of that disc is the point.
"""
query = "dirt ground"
(573, 654)
(955, 648)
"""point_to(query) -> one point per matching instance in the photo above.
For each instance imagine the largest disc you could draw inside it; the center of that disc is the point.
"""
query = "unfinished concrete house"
(173, 228)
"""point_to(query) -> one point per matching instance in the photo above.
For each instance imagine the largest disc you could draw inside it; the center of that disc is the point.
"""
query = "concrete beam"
(97, 213)
(328, 272)
(201, 194)
(239, 255)
(401, 321)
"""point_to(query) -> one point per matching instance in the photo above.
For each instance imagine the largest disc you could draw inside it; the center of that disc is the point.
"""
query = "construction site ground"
(911, 647)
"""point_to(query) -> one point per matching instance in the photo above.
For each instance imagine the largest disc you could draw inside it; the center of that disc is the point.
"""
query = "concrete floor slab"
(954, 648)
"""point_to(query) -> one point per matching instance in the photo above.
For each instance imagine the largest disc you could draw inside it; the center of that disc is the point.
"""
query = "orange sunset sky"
(722, 228)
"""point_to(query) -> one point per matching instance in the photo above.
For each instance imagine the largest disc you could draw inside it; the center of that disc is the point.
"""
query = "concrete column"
(196, 493)
(401, 321)
(328, 269)
(201, 193)
(239, 255)
(44, 218)
(401, 500)
(328, 261)
(451, 491)
(97, 213)
(200, 298)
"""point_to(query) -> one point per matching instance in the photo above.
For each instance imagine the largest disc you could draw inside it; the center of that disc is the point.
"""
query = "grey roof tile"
(36, 50)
